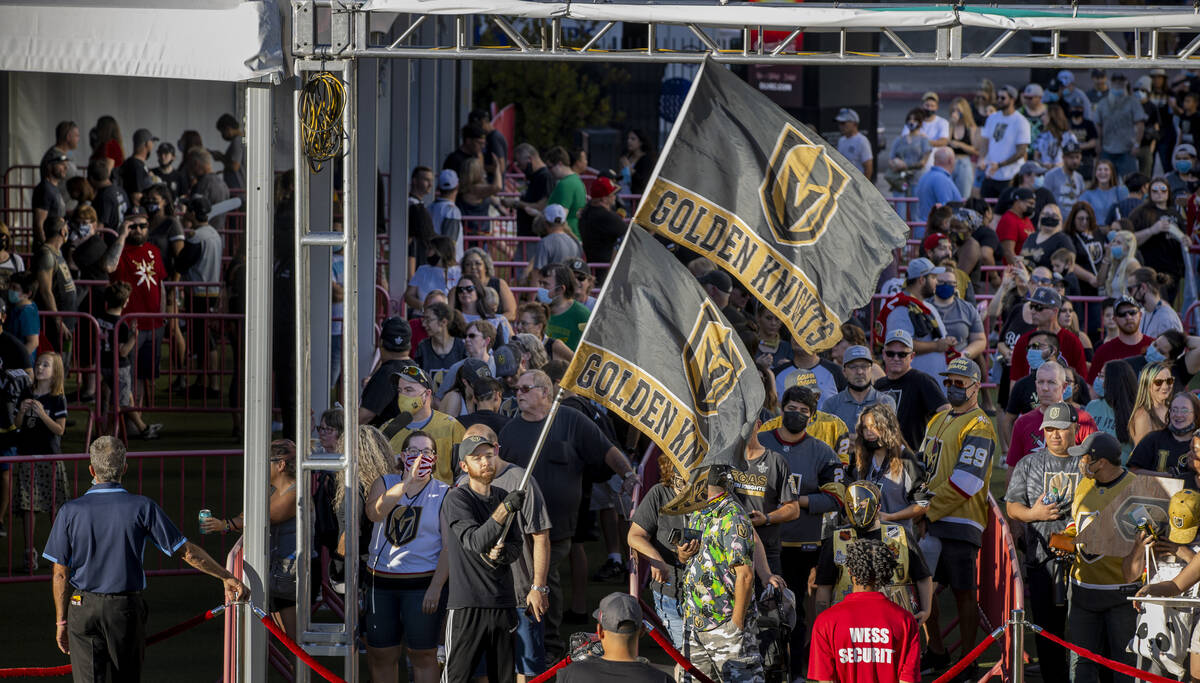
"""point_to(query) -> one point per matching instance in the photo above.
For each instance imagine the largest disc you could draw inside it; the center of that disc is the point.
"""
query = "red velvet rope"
(972, 656)
(65, 669)
(1114, 665)
(304, 656)
(549, 673)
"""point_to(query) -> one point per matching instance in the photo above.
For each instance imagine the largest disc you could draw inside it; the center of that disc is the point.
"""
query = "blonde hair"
(964, 110)
(1144, 400)
(1118, 272)
(375, 459)
(57, 373)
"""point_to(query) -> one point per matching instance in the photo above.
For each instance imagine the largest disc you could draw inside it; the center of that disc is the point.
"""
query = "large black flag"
(660, 355)
(765, 198)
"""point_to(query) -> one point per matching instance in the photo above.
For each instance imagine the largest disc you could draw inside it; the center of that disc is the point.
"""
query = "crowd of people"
(1035, 333)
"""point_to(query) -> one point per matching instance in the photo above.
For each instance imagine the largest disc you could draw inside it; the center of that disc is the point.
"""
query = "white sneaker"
(441, 654)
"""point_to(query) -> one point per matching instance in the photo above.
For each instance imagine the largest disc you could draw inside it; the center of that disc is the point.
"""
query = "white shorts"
(606, 495)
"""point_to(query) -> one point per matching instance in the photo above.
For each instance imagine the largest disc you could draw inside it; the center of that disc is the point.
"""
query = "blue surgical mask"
(1118, 252)
(543, 295)
(1039, 181)
(1034, 358)
(13, 297)
(1098, 387)
(152, 208)
(1068, 390)
(944, 290)
(1153, 355)
(1183, 165)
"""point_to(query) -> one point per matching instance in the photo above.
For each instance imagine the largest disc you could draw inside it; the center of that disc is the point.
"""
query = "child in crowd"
(123, 337)
(42, 419)
(23, 321)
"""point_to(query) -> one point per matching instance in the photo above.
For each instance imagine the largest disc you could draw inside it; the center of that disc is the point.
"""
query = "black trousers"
(107, 635)
(471, 633)
(1053, 658)
(797, 564)
(991, 189)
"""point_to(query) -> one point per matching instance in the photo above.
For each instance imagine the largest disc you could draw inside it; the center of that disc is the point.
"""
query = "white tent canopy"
(208, 40)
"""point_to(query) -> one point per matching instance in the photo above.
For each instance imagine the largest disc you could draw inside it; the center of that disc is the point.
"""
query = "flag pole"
(541, 440)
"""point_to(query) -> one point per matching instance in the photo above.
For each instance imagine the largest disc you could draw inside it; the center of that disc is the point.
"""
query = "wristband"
(60, 623)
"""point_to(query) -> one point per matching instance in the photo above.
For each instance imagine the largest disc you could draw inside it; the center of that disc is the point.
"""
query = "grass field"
(183, 487)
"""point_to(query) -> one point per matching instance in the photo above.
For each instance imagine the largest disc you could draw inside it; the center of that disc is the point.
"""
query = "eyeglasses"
(325, 429)
(526, 388)
(897, 354)
(1164, 382)
(419, 451)
(466, 289)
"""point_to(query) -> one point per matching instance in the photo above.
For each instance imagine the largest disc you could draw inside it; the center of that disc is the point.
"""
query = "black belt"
(109, 595)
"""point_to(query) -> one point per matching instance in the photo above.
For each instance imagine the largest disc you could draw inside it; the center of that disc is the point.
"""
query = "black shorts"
(958, 565)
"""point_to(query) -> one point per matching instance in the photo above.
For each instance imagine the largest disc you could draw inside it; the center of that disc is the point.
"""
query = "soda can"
(204, 514)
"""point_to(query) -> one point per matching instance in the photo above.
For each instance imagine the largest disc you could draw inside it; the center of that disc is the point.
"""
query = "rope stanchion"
(65, 669)
(296, 649)
(667, 647)
(1119, 667)
(549, 673)
(972, 656)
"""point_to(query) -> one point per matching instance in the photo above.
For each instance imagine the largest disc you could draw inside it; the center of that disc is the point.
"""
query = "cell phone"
(681, 536)
(675, 537)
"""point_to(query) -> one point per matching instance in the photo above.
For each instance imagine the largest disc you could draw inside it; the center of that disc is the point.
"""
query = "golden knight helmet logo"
(800, 189)
(712, 360)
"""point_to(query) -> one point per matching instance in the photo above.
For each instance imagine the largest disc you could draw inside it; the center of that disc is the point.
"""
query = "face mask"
(1186, 429)
(408, 404)
(871, 444)
(1153, 355)
(152, 208)
(1098, 387)
(1183, 165)
(1027, 212)
(1068, 391)
(1039, 181)
(859, 387)
(1034, 358)
(944, 291)
(794, 421)
(424, 467)
(85, 229)
(1143, 95)
(956, 395)
(1118, 252)
(13, 297)
(910, 126)
(543, 295)
(1050, 221)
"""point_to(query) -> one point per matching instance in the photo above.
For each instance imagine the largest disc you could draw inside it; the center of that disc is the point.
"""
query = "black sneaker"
(610, 570)
(934, 661)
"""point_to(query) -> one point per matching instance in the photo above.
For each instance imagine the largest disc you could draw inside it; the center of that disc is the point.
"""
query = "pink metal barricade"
(182, 482)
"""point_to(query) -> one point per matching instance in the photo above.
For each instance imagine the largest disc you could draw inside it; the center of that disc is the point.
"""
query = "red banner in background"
(505, 121)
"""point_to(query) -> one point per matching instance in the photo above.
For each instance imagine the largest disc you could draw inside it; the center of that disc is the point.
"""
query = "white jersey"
(414, 525)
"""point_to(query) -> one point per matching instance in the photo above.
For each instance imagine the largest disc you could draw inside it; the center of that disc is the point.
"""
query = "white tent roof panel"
(208, 40)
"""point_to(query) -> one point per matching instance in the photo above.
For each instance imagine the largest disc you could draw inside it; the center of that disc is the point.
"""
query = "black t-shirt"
(110, 337)
(495, 421)
(1084, 131)
(918, 397)
(436, 364)
(596, 670)
(573, 444)
(1189, 128)
(173, 179)
(1014, 326)
(33, 437)
(1023, 395)
(111, 204)
(1039, 254)
(165, 234)
(472, 533)
(1089, 252)
(763, 486)
(987, 237)
(1160, 252)
(62, 286)
(88, 256)
(135, 178)
(420, 230)
(47, 197)
(828, 571)
(538, 187)
(659, 527)
(455, 162)
(1160, 451)
(599, 230)
(379, 396)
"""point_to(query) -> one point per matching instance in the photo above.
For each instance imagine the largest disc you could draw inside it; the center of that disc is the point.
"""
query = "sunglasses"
(960, 383)
(474, 335)
(1038, 308)
(1164, 382)
(526, 388)
(897, 354)
(1041, 280)
(1158, 189)
(466, 289)
(581, 277)
(415, 373)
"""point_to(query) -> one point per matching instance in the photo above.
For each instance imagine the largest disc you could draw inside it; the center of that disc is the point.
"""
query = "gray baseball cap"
(1060, 416)
(899, 335)
(856, 352)
(920, 267)
(619, 613)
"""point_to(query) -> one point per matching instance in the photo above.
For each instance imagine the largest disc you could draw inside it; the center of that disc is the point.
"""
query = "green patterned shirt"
(709, 579)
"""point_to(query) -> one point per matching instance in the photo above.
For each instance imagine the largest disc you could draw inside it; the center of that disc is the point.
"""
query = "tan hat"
(931, 95)
(1184, 515)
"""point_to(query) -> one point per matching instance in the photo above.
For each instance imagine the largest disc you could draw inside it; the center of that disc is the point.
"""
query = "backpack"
(327, 530)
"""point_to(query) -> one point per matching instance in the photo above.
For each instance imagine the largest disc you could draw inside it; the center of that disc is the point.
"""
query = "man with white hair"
(936, 187)
(1052, 387)
(96, 545)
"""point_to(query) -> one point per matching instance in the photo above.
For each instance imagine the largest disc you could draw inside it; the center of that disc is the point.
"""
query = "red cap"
(932, 239)
(601, 187)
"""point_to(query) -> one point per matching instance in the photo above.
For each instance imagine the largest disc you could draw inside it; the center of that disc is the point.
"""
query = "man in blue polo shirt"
(936, 187)
(96, 545)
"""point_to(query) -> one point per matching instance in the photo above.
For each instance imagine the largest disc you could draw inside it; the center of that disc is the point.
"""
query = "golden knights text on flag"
(661, 356)
(760, 194)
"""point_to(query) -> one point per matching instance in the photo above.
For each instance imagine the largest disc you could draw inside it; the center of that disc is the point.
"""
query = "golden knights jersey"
(1095, 571)
(900, 590)
(958, 451)
(823, 427)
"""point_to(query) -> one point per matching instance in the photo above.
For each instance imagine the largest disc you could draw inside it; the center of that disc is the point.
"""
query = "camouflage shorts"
(724, 653)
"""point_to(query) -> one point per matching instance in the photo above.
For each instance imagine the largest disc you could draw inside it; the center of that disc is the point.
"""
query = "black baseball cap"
(1022, 193)
(1046, 296)
(718, 279)
(395, 334)
(1099, 445)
